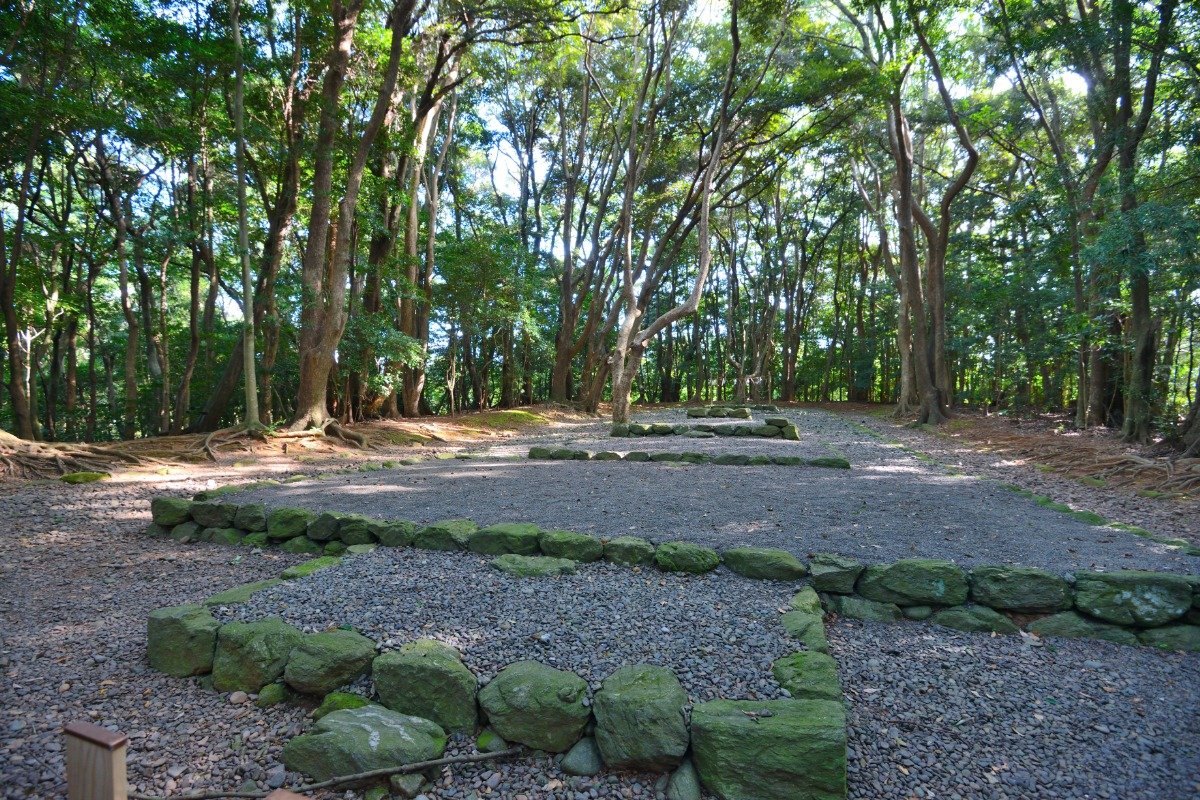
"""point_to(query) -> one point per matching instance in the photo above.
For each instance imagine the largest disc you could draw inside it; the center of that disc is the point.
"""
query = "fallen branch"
(344, 779)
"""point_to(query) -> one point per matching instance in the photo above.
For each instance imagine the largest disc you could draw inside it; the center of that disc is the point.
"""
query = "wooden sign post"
(95, 762)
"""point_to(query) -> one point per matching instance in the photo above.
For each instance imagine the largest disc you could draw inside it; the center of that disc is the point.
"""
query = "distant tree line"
(289, 213)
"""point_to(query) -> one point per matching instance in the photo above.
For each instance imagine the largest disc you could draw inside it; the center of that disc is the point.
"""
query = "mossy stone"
(569, 544)
(771, 750)
(428, 679)
(309, 567)
(537, 705)
(321, 662)
(506, 537)
(170, 511)
(288, 523)
(764, 563)
(532, 566)
(686, 557)
(449, 534)
(339, 701)
(250, 655)
(251, 517)
(808, 676)
(974, 619)
(629, 550)
(915, 581)
(180, 640)
(301, 545)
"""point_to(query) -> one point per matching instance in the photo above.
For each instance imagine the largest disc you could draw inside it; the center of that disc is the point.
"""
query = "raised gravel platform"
(889, 505)
(938, 714)
(718, 632)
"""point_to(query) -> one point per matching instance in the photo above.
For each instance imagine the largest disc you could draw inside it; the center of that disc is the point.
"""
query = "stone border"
(771, 428)
(422, 692)
(1128, 606)
(1125, 606)
(686, 457)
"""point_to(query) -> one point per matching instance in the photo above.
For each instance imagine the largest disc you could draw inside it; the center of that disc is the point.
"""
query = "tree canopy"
(214, 213)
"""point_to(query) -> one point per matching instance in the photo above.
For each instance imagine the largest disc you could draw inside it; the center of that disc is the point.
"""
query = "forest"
(305, 215)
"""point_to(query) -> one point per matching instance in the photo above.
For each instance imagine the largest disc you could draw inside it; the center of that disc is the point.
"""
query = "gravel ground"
(79, 579)
(940, 714)
(1165, 517)
(76, 585)
(718, 632)
(890, 505)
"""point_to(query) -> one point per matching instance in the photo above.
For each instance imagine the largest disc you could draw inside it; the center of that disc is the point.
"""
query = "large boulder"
(974, 619)
(288, 523)
(686, 557)
(1132, 597)
(640, 722)
(572, 545)
(322, 662)
(180, 640)
(834, 573)
(358, 740)
(252, 654)
(170, 511)
(771, 750)
(628, 550)
(808, 676)
(536, 705)
(506, 537)
(427, 678)
(764, 563)
(449, 534)
(213, 515)
(915, 582)
(533, 566)
(1070, 625)
(1019, 589)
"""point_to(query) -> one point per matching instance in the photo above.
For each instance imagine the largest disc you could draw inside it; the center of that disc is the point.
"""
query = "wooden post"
(95, 762)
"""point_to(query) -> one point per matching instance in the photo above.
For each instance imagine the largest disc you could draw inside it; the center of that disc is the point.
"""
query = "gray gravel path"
(77, 582)
(890, 505)
(939, 714)
(718, 632)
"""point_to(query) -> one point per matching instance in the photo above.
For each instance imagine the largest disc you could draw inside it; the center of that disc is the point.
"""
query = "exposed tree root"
(239, 435)
(331, 428)
(20, 458)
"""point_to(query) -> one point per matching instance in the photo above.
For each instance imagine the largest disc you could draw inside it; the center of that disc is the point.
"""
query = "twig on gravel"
(329, 784)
